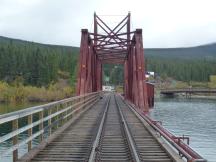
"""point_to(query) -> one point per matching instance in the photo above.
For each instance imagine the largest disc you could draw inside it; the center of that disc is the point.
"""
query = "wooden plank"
(41, 125)
(69, 106)
(49, 122)
(30, 132)
(28, 156)
(32, 110)
(25, 128)
(15, 139)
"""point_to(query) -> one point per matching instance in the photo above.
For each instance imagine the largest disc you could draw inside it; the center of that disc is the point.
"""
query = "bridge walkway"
(108, 131)
(74, 144)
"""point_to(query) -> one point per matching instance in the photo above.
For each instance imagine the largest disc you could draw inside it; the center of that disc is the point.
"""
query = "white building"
(108, 88)
(150, 74)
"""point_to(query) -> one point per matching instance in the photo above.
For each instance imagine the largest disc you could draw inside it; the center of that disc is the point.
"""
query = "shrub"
(20, 93)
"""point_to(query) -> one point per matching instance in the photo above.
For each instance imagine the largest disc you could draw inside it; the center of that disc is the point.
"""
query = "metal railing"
(46, 118)
(177, 142)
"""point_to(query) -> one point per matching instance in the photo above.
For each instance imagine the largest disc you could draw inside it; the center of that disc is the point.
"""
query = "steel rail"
(128, 134)
(96, 141)
(125, 130)
(182, 151)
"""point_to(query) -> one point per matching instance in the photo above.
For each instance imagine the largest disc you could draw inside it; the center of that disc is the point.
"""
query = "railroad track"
(123, 137)
(74, 144)
(113, 144)
(108, 132)
(148, 148)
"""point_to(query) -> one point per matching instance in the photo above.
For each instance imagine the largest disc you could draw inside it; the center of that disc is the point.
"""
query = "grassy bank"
(193, 84)
(170, 83)
(19, 93)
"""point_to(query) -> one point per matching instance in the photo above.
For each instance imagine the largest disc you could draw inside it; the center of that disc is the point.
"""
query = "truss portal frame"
(119, 45)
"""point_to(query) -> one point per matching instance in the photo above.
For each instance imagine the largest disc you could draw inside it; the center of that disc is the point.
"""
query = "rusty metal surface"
(118, 45)
(150, 92)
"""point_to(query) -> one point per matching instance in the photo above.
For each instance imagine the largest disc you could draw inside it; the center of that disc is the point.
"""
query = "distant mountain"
(6, 40)
(39, 63)
(207, 51)
(35, 63)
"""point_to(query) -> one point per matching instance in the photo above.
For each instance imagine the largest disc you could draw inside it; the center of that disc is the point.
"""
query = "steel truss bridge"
(119, 45)
(98, 126)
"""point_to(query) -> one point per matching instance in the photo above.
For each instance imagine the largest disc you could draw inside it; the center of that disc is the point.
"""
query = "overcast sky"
(165, 23)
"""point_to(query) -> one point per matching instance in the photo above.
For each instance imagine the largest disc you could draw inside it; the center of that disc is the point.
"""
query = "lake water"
(193, 117)
(6, 108)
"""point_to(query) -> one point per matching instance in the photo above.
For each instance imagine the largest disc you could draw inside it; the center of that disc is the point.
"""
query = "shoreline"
(190, 97)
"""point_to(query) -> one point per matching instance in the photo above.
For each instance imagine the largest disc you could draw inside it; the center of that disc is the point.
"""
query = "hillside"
(38, 64)
(202, 51)
(207, 51)
(19, 42)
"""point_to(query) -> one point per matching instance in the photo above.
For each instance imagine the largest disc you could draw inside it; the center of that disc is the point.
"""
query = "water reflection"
(7, 127)
(194, 117)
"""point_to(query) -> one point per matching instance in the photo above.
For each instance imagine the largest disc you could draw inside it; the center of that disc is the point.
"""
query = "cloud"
(167, 23)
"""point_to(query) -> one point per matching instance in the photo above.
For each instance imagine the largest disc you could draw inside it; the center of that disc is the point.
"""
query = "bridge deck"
(109, 131)
(74, 144)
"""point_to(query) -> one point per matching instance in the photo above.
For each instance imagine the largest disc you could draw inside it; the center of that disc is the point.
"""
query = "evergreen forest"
(40, 64)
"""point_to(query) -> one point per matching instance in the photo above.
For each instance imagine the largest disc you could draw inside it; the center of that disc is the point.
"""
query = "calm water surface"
(195, 117)
(7, 108)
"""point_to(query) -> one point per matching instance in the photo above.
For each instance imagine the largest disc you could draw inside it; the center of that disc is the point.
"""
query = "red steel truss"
(119, 45)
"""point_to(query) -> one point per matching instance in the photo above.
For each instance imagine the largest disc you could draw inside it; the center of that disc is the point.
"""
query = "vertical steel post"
(130, 72)
(95, 29)
(99, 75)
(126, 79)
(126, 69)
(82, 74)
(135, 90)
(142, 90)
(89, 74)
(94, 68)
(94, 61)
(88, 86)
